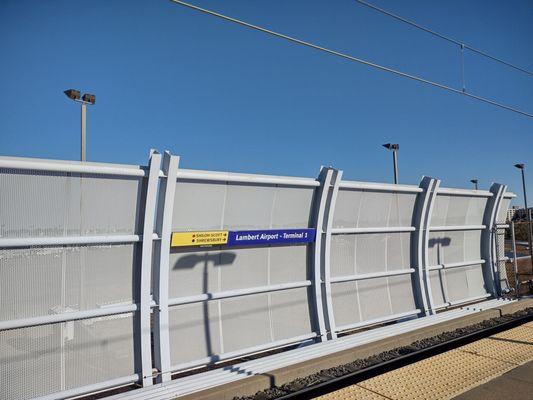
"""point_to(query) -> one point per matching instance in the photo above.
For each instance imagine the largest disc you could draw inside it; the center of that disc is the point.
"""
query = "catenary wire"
(351, 58)
(440, 35)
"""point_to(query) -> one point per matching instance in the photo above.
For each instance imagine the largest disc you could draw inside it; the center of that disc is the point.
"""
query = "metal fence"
(90, 283)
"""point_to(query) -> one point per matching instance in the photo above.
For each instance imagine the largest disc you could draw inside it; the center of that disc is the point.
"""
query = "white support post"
(488, 240)
(422, 222)
(330, 206)
(144, 333)
(165, 210)
(320, 207)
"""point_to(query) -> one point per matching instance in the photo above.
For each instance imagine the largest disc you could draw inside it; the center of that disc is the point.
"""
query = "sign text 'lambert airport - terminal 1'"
(243, 238)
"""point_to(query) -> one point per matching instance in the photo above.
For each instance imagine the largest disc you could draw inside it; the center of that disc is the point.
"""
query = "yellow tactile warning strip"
(449, 374)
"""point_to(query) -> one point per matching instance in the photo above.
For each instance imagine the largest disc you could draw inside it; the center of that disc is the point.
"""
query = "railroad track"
(328, 380)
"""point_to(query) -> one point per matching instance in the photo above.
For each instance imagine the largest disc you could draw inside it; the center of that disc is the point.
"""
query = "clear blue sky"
(227, 98)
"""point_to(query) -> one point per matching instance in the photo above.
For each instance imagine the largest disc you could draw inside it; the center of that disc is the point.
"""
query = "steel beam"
(245, 178)
(72, 167)
(144, 331)
(419, 247)
(488, 251)
(360, 277)
(384, 229)
(330, 207)
(165, 209)
(237, 293)
(321, 200)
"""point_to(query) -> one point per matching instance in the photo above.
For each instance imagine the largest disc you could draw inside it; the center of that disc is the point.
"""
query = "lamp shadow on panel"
(218, 259)
(440, 242)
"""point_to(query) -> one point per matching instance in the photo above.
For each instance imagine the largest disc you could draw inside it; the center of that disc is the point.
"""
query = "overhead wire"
(444, 37)
(351, 58)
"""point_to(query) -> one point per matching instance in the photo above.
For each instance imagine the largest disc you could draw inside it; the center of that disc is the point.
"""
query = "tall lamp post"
(86, 99)
(522, 167)
(394, 147)
(475, 182)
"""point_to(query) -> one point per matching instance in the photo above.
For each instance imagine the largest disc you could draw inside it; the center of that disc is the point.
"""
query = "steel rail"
(351, 58)
(237, 293)
(67, 167)
(71, 240)
(376, 321)
(379, 187)
(447, 228)
(245, 178)
(240, 353)
(380, 229)
(66, 317)
(464, 192)
(462, 301)
(397, 362)
(360, 277)
(455, 265)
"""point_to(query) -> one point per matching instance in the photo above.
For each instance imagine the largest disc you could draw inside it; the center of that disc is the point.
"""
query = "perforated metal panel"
(37, 204)
(51, 358)
(368, 253)
(242, 322)
(52, 280)
(41, 281)
(458, 246)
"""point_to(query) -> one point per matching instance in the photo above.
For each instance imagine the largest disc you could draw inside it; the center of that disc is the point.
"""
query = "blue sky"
(227, 98)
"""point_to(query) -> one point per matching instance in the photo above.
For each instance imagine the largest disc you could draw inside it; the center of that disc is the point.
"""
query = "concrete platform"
(516, 384)
(249, 377)
(490, 368)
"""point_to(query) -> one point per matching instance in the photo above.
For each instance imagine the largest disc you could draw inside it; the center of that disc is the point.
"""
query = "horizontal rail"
(246, 178)
(455, 265)
(72, 167)
(90, 389)
(463, 192)
(244, 352)
(66, 317)
(360, 277)
(384, 229)
(518, 258)
(237, 293)
(462, 301)
(502, 226)
(381, 187)
(71, 240)
(456, 228)
(376, 321)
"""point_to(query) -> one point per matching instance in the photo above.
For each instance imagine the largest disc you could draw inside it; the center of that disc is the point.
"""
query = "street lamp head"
(474, 181)
(73, 94)
(519, 166)
(88, 98)
(392, 146)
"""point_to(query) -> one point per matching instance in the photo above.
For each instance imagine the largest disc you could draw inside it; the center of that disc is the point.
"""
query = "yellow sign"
(205, 238)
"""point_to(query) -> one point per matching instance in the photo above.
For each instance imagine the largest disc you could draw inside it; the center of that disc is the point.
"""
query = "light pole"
(521, 167)
(394, 147)
(474, 181)
(87, 98)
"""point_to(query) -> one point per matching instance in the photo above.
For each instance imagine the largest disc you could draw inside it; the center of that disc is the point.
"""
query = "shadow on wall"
(191, 261)
(440, 242)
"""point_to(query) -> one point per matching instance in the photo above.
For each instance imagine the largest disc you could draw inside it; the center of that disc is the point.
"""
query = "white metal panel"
(44, 359)
(37, 204)
(42, 281)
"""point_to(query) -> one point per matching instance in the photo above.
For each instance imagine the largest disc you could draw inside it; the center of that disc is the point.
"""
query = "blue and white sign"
(271, 236)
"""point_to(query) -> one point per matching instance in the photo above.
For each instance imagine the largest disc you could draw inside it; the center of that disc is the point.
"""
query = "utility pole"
(87, 98)
(394, 147)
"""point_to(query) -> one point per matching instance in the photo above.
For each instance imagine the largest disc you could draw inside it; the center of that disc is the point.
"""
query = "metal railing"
(152, 302)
